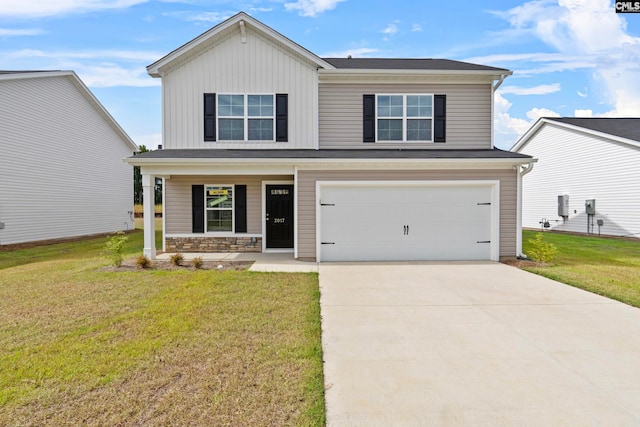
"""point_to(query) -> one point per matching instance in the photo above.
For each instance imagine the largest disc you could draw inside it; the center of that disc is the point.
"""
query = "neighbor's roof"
(623, 129)
(409, 64)
(84, 90)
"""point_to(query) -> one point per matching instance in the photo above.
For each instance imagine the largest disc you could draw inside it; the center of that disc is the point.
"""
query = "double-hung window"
(401, 118)
(246, 117)
(219, 208)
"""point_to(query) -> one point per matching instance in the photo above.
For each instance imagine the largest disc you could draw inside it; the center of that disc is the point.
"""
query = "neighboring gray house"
(583, 160)
(61, 168)
(268, 147)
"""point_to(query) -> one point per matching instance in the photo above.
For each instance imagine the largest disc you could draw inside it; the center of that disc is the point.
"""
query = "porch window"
(219, 208)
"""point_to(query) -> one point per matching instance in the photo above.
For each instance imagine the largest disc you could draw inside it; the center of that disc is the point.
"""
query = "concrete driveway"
(482, 344)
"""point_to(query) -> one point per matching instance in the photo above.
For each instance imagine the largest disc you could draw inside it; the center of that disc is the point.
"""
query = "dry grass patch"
(81, 346)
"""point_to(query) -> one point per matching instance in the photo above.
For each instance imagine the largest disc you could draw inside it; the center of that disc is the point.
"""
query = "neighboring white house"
(583, 159)
(61, 161)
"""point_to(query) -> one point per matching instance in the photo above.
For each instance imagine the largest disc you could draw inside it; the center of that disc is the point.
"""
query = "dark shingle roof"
(408, 64)
(623, 127)
(330, 154)
(25, 71)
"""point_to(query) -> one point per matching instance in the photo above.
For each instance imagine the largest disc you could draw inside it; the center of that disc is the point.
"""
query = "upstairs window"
(245, 117)
(404, 118)
(392, 118)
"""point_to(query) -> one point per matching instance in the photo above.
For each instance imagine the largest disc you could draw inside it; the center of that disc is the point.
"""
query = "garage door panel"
(379, 223)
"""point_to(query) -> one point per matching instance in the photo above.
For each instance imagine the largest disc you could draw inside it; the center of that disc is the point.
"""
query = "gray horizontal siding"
(468, 113)
(177, 203)
(307, 199)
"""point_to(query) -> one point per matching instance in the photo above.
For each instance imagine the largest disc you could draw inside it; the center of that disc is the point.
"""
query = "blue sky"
(569, 57)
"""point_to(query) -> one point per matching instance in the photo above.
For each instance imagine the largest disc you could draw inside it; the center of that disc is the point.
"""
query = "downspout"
(521, 170)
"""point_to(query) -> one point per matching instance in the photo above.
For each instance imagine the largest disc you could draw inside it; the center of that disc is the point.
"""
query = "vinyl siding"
(231, 67)
(177, 201)
(584, 167)
(61, 169)
(307, 199)
(468, 114)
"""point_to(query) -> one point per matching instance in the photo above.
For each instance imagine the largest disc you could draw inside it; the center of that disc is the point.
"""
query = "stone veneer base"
(213, 244)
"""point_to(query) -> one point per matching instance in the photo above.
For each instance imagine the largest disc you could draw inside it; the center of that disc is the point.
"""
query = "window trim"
(404, 119)
(232, 209)
(246, 117)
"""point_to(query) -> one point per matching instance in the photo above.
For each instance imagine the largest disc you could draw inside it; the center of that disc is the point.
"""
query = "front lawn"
(605, 266)
(84, 346)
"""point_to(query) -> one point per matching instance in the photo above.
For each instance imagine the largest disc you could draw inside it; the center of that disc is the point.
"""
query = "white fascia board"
(522, 141)
(154, 69)
(356, 72)
(288, 166)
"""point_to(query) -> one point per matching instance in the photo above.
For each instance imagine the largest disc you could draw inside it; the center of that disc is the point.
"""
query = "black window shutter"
(241, 208)
(439, 118)
(368, 118)
(282, 117)
(209, 116)
(197, 208)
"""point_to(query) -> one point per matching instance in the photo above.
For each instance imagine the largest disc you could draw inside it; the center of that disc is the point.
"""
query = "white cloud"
(536, 90)
(7, 32)
(312, 7)
(416, 28)
(583, 113)
(390, 29)
(507, 128)
(37, 9)
(355, 53)
(583, 94)
(214, 17)
(535, 113)
(99, 68)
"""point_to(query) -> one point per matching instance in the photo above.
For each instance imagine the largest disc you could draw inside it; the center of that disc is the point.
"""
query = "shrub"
(143, 262)
(540, 250)
(176, 259)
(114, 248)
(197, 262)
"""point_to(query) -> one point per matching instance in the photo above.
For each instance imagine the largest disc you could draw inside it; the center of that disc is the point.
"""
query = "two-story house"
(268, 147)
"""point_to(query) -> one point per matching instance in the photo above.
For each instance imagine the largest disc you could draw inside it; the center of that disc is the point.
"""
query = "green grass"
(605, 266)
(80, 345)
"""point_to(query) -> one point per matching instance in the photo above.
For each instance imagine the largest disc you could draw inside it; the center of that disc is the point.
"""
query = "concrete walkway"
(474, 344)
(266, 262)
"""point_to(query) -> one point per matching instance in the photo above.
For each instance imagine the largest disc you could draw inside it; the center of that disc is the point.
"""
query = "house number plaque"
(278, 220)
(280, 192)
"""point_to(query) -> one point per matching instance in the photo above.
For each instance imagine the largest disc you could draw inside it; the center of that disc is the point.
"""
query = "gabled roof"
(409, 64)
(625, 130)
(239, 20)
(82, 88)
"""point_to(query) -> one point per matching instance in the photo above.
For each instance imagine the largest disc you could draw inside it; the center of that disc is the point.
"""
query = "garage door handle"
(483, 241)
(484, 204)
(327, 243)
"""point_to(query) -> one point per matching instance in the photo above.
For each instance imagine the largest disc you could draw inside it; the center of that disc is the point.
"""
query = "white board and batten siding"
(583, 166)
(258, 66)
(468, 114)
(61, 170)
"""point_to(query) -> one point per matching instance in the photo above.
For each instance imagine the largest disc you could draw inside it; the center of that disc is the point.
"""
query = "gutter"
(521, 170)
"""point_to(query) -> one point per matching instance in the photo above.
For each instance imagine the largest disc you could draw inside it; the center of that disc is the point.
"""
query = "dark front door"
(279, 220)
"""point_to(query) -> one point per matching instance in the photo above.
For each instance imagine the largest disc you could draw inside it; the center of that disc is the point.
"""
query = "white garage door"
(407, 221)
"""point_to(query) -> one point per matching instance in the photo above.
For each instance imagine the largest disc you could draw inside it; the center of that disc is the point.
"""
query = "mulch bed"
(130, 265)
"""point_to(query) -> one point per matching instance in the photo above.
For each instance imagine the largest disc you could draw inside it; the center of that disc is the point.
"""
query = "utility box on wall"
(563, 205)
(590, 206)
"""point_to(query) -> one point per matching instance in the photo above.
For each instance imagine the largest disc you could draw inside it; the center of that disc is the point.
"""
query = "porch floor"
(266, 262)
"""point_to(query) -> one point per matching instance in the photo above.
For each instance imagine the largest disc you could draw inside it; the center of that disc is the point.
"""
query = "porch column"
(148, 203)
